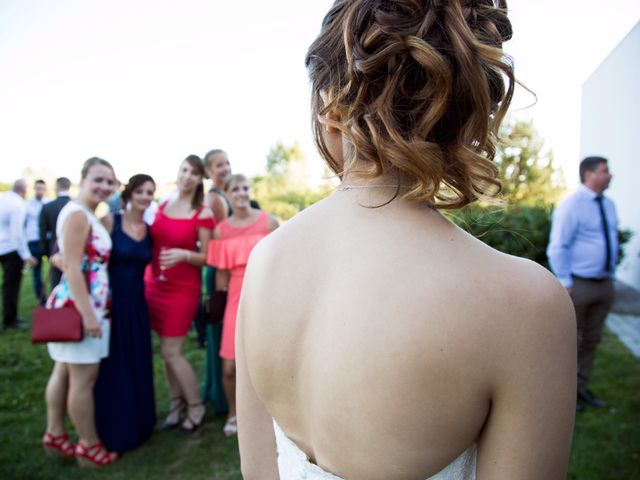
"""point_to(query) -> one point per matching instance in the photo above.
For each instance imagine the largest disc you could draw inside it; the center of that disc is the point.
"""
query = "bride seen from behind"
(375, 339)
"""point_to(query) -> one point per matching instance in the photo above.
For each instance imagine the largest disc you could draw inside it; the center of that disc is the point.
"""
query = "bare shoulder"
(528, 318)
(273, 222)
(270, 251)
(529, 345)
(541, 297)
(206, 213)
(76, 219)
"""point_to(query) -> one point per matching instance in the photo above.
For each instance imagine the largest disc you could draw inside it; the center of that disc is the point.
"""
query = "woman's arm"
(273, 222)
(216, 202)
(533, 363)
(75, 235)
(107, 221)
(256, 437)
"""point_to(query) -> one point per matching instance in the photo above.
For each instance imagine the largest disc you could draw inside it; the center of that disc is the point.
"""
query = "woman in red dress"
(172, 286)
(234, 238)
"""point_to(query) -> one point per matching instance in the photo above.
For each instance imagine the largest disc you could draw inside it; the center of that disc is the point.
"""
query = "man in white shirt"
(34, 206)
(13, 250)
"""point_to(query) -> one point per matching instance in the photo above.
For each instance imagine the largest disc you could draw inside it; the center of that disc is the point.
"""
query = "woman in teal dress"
(218, 168)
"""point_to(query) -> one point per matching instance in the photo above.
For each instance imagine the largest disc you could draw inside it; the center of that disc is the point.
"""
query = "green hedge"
(517, 230)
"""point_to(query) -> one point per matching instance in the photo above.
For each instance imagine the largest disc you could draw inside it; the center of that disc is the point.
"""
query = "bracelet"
(188, 256)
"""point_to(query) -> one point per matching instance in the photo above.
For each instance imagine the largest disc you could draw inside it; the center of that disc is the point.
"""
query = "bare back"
(381, 340)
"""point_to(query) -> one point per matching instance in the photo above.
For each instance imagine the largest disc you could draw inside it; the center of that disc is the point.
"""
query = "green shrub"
(518, 230)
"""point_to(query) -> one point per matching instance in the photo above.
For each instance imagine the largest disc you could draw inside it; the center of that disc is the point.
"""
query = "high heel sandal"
(193, 424)
(230, 427)
(177, 408)
(57, 445)
(94, 456)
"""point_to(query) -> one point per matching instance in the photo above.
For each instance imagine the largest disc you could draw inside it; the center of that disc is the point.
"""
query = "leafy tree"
(527, 170)
(284, 189)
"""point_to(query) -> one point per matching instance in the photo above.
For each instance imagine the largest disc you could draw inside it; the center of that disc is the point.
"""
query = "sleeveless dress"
(231, 253)
(173, 302)
(294, 464)
(213, 390)
(124, 398)
(94, 264)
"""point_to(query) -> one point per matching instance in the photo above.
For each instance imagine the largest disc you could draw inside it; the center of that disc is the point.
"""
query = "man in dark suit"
(48, 219)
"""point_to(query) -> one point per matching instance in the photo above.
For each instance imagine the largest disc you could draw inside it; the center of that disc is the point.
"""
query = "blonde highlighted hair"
(420, 88)
(233, 180)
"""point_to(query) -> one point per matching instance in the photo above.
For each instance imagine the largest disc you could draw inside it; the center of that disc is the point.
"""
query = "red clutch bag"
(56, 325)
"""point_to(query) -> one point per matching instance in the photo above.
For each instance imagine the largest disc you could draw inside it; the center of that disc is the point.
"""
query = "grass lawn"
(606, 442)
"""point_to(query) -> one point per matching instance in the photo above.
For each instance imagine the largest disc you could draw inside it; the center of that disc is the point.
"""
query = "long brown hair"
(198, 196)
(420, 88)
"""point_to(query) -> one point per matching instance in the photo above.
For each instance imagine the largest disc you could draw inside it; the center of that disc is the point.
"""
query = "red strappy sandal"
(57, 445)
(94, 456)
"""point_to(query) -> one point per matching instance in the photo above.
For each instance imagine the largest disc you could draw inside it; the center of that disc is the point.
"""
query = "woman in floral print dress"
(86, 246)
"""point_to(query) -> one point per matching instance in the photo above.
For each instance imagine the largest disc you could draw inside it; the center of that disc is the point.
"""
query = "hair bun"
(420, 85)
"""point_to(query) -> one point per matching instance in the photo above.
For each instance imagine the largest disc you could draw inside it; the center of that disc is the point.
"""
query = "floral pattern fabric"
(95, 268)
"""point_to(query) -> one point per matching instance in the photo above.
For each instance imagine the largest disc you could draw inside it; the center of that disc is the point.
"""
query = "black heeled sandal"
(166, 425)
(194, 425)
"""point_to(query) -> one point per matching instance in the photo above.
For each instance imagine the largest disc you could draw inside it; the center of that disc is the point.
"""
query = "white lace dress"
(293, 463)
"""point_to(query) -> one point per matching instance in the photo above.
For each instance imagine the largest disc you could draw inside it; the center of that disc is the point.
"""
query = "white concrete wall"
(610, 127)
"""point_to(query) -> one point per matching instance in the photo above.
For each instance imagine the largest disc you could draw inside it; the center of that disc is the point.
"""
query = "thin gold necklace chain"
(343, 187)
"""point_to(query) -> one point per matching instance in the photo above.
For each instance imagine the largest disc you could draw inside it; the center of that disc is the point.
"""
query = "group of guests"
(127, 277)
(27, 235)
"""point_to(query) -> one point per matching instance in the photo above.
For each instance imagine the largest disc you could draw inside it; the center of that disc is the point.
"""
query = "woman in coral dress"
(234, 238)
(172, 286)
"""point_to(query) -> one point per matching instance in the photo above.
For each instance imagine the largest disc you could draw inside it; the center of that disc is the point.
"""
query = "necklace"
(343, 187)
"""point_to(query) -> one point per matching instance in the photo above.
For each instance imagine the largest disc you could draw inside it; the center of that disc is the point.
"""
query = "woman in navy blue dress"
(125, 405)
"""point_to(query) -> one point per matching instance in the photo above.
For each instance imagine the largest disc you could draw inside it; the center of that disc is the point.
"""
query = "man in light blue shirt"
(582, 251)
(32, 230)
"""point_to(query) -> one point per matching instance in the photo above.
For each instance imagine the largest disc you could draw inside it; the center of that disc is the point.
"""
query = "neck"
(134, 214)
(218, 183)
(357, 176)
(594, 189)
(242, 212)
(185, 196)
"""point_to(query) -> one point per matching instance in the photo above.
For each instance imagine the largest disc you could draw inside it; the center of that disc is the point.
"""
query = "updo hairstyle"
(420, 89)
(134, 182)
(207, 158)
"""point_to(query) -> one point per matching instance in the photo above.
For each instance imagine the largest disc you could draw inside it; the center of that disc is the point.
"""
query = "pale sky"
(144, 83)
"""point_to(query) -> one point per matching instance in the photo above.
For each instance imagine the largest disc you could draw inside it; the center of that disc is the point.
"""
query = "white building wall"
(610, 127)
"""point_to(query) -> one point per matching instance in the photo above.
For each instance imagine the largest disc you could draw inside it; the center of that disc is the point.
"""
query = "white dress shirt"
(13, 211)
(32, 227)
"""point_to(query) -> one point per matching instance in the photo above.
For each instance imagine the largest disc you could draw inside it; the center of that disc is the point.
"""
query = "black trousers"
(12, 276)
(38, 288)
